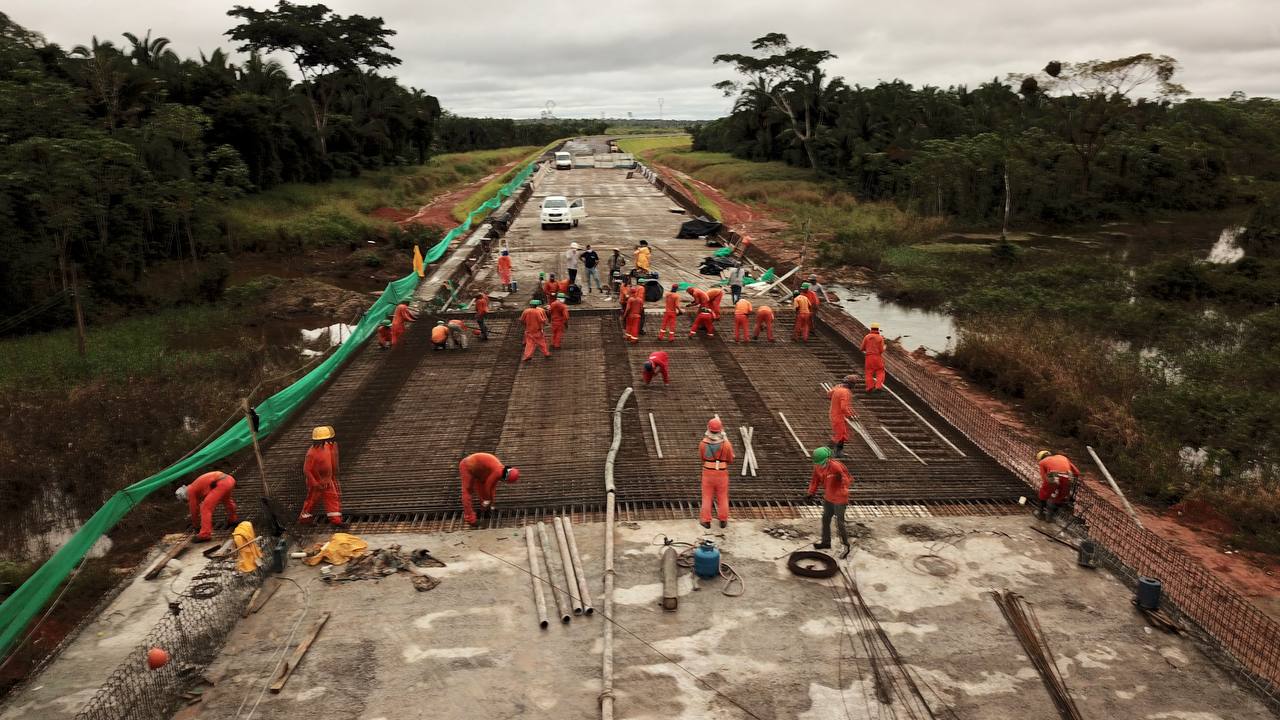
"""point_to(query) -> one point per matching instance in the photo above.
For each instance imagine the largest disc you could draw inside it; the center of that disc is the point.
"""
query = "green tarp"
(20, 607)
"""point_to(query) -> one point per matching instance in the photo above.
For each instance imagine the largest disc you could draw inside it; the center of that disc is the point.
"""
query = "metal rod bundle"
(562, 606)
(1026, 627)
(535, 572)
(584, 591)
(566, 562)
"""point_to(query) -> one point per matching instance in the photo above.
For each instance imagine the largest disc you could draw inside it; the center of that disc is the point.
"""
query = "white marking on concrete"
(413, 653)
(311, 693)
(426, 621)
(1174, 656)
(834, 704)
(991, 683)
(1100, 657)
(1179, 715)
(1131, 694)
(901, 628)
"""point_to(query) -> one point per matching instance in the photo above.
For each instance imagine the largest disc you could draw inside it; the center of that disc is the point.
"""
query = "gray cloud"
(508, 58)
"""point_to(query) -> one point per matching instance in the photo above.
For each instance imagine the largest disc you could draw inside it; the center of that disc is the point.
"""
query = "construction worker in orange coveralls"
(559, 320)
(399, 319)
(742, 321)
(672, 300)
(504, 271)
(804, 317)
(533, 319)
(657, 363)
(764, 320)
(840, 411)
(635, 309)
(480, 475)
(699, 296)
(835, 480)
(549, 289)
(440, 336)
(203, 495)
(714, 297)
(321, 470)
(1057, 474)
(482, 309)
(809, 294)
(873, 350)
(705, 320)
(716, 454)
(384, 334)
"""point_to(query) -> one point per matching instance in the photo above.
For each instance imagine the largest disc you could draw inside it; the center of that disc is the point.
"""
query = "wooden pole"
(257, 449)
(301, 650)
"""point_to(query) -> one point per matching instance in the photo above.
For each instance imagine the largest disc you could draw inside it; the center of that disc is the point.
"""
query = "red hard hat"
(714, 425)
(157, 658)
(513, 475)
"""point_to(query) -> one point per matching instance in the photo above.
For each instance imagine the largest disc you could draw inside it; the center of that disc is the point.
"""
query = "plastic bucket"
(1149, 593)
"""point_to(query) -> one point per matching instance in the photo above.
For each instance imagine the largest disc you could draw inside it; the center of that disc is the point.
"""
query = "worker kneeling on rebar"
(835, 480)
(203, 495)
(480, 475)
(1057, 475)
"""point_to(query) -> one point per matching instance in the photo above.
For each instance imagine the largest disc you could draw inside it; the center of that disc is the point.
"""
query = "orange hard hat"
(157, 658)
(714, 425)
(512, 475)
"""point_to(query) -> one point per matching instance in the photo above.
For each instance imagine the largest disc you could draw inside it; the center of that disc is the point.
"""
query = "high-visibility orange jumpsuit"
(559, 321)
(873, 367)
(321, 470)
(480, 474)
(764, 320)
(716, 457)
(841, 408)
(714, 298)
(659, 362)
(384, 336)
(401, 317)
(699, 297)
(1056, 473)
(482, 309)
(742, 320)
(812, 297)
(562, 286)
(206, 493)
(504, 270)
(533, 318)
(440, 337)
(804, 319)
(704, 320)
(549, 289)
(669, 317)
(635, 307)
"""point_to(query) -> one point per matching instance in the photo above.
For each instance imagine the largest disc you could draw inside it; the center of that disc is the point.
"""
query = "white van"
(557, 210)
(564, 161)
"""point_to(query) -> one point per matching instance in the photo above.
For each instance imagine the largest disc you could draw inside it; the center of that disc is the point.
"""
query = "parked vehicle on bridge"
(564, 161)
(558, 210)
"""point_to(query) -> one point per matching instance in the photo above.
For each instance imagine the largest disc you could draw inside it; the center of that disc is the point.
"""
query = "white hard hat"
(181, 493)
(573, 246)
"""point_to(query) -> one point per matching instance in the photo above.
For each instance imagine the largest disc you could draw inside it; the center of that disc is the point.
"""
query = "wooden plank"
(301, 650)
(261, 596)
(656, 444)
(177, 549)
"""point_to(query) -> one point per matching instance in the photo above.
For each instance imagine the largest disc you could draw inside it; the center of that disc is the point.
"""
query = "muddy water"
(915, 328)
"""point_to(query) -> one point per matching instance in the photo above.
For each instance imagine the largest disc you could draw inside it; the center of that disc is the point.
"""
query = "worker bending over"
(716, 454)
(533, 319)
(1057, 474)
(321, 471)
(559, 312)
(458, 334)
(672, 300)
(705, 320)
(840, 412)
(804, 316)
(480, 475)
(834, 478)
(384, 334)
(657, 363)
(400, 319)
(504, 271)
(764, 321)
(439, 336)
(742, 321)
(873, 350)
(203, 495)
(699, 298)
(715, 296)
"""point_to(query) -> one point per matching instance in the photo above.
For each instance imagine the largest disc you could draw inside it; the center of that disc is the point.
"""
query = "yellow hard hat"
(324, 432)
(1042, 455)
(875, 326)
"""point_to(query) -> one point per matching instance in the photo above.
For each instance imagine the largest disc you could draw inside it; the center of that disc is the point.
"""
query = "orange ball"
(157, 658)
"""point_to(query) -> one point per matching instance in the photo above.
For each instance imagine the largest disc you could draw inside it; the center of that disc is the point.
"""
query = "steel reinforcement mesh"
(1223, 615)
(193, 632)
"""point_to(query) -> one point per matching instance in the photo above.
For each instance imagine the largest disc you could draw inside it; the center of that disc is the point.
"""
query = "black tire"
(544, 226)
(827, 564)
(575, 223)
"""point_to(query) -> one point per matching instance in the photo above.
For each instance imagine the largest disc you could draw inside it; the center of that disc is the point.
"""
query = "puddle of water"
(935, 331)
(1227, 249)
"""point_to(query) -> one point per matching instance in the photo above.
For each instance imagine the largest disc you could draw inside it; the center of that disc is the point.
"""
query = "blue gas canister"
(706, 560)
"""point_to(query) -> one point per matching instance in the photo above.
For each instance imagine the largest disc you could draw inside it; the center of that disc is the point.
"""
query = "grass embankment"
(1140, 360)
(486, 191)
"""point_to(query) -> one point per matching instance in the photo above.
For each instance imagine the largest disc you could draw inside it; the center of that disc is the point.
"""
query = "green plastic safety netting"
(20, 607)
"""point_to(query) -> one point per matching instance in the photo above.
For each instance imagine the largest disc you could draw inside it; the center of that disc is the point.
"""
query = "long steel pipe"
(535, 572)
(562, 606)
(584, 591)
(566, 561)
(606, 653)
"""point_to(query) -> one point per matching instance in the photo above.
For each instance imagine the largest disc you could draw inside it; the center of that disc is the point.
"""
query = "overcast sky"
(507, 58)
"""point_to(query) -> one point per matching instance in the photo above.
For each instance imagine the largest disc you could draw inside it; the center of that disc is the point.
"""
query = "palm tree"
(147, 52)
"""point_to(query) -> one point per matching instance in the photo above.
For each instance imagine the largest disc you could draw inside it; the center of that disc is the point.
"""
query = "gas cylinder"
(706, 560)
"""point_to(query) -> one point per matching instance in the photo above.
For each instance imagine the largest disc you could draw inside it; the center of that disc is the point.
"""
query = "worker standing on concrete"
(384, 334)
(716, 453)
(458, 334)
(321, 471)
(737, 276)
(439, 336)
(840, 412)
(559, 312)
(482, 309)
(504, 271)
(873, 351)
(742, 320)
(642, 257)
(657, 363)
(480, 475)
(835, 480)
(571, 261)
(672, 300)
(533, 319)
(764, 320)
(715, 296)
(804, 318)
(399, 320)
(1057, 473)
(705, 320)
(634, 311)
(203, 495)
(590, 262)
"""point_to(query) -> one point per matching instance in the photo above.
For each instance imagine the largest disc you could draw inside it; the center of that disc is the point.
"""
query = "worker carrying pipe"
(840, 411)
(742, 321)
(834, 479)
(670, 313)
(559, 312)
(716, 453)
(533, 319)
(657, 363)
(764, 321)
(1057, 474)
(321, 471)
(873, 350)
(399, 320)
(480, 474)
(203, 495)
(804, 316)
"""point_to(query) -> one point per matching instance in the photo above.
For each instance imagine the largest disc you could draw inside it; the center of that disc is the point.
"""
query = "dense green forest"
(118, 156)
(1074, 142)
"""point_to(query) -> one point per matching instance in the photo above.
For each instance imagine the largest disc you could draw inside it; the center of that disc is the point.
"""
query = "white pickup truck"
(558, 210)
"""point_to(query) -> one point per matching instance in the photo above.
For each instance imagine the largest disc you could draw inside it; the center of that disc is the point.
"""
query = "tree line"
(118, 155)
(1073, 142)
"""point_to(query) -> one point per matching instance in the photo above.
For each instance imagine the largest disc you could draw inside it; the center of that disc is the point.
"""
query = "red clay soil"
(1193, 526)
(439, 211)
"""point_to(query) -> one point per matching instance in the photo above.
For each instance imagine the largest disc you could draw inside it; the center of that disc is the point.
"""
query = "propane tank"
(706, 560)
